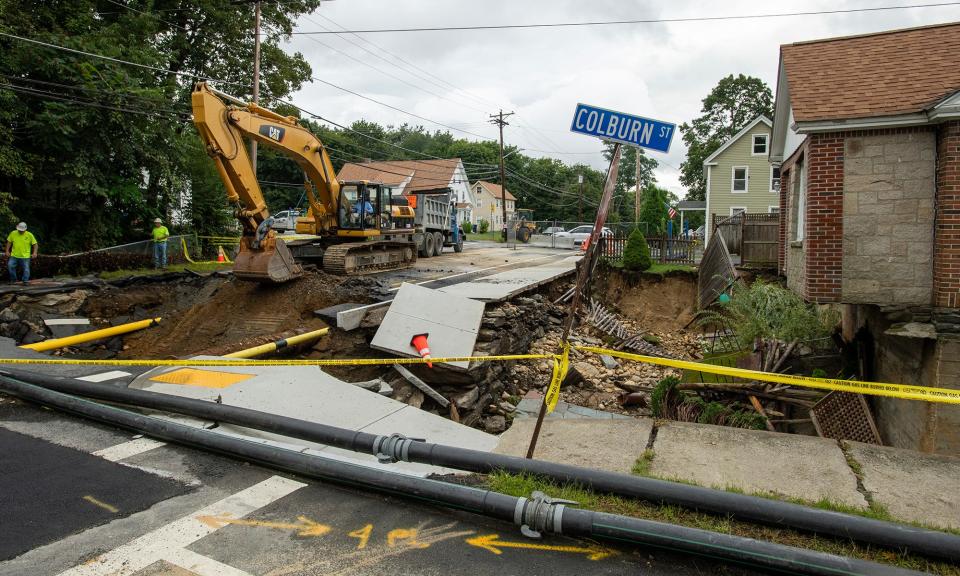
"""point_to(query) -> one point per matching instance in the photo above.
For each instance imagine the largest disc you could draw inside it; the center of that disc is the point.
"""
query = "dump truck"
(435, 223)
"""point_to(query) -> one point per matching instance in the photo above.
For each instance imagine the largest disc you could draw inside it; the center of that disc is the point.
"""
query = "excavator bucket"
(271, 262)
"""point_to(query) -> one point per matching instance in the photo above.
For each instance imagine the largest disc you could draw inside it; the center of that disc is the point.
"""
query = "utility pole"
(636, 208)
(499, 121)
(580, 199)
(256, 75)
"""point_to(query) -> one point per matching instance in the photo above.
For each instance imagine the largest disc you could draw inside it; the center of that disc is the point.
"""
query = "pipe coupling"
(393, 448)
(540, 513)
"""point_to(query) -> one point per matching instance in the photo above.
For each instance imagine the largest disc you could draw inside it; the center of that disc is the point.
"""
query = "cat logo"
(272, 132)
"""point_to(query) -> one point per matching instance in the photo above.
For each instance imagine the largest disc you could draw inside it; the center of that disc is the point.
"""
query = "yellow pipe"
(93, 335)
(279, 344)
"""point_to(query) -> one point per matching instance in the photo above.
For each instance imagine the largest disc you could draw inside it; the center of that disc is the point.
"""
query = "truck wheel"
(523, 235)
(458, 247)
(438, 243)
(428, 245)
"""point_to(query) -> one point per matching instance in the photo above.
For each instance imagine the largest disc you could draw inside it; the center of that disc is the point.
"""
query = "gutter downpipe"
(396, 447)
(535, 515)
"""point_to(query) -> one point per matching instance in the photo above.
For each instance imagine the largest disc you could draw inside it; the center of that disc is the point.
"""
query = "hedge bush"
(636, 254)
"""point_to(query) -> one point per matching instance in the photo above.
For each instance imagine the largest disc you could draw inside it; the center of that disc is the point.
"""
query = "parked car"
(581, 233)
(551, 230)
(286, 220)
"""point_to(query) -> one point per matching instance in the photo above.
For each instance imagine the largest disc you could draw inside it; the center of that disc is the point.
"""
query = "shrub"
(484, 226)
(466, 227)
(636, 254)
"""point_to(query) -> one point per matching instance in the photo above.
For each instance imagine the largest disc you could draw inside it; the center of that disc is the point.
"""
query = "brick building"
(867, 135)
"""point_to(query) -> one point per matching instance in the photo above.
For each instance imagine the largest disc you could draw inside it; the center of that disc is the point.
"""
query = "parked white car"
(551, 230)
(581, 233)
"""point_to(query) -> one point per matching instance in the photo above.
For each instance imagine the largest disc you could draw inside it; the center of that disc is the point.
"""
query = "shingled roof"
(872, 75)
(495, 189)
(425, 175)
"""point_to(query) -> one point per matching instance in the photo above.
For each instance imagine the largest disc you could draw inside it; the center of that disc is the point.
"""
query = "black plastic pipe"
(549, 517)
(923, 541)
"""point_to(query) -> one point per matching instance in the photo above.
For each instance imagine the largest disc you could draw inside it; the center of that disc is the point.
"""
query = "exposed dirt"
(657, 303)
(216, 315)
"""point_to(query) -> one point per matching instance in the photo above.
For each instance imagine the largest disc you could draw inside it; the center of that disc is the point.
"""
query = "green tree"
(731, 105)
(624, 202)
(636, 254)
(653, 211)
(91, 150)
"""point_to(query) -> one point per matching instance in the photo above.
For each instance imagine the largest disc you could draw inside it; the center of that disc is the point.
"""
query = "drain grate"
(845, 416)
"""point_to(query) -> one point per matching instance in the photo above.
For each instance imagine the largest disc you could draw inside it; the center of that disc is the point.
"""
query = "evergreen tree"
(636, 254)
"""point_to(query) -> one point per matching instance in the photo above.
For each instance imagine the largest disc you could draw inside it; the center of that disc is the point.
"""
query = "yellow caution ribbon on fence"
(326, 362)
(924, 393)
(560, 366)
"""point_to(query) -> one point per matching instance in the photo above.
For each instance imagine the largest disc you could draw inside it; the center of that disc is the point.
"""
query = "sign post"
(622, 129)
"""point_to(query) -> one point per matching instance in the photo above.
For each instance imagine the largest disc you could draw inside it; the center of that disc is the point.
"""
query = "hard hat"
(22, 226)
(157, 221)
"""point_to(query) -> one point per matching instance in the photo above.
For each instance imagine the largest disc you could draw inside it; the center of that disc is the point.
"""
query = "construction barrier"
(902, 391)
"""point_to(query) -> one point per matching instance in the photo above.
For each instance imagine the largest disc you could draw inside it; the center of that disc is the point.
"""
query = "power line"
(401, 110)
(53, 96)
(641, 20)
(117, 60)
(426, 73)
(371, 66)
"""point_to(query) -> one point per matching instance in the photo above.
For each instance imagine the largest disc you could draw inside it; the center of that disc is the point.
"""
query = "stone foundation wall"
(888, 217)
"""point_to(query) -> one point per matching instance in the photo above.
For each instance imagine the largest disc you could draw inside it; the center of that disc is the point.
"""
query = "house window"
(739, 184)
(773, 209)
(774, 178)
(759, 144)
(734, 210)
(801, 201)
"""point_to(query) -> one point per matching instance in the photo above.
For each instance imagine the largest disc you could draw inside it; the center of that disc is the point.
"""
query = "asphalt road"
(189, 513)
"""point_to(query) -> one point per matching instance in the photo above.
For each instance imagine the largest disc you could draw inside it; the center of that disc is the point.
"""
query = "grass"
(657, 268)
(642, 466)
(489, 236)
(524, 485)
(199, 267)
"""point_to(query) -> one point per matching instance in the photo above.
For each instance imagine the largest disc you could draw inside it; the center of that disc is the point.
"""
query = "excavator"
(350, 228)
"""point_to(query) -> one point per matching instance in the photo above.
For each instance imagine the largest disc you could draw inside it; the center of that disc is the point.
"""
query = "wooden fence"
(753, 236)
(663, 250)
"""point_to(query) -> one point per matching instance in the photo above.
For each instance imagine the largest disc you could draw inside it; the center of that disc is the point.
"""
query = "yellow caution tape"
(903, 391)
(560, 366)
(186, 254)
(349, 362)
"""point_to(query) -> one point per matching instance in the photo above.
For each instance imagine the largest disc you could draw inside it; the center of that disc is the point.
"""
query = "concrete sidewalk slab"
(309, 393)
(891, 477)
(755, 461)
(451, 321)
(611, 445)
(505, 285)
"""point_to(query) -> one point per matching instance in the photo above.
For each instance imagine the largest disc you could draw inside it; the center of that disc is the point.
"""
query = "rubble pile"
(486, 394)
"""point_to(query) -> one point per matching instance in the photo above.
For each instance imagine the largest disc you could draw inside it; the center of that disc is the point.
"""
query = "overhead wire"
(640, 20)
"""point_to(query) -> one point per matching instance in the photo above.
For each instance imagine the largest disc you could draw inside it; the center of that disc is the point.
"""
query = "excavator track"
(367, 257)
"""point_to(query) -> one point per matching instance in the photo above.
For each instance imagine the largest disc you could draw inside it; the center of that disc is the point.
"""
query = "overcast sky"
(660, 71)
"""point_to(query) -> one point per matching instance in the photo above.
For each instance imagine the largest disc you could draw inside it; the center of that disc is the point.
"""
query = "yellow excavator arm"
(223, 127)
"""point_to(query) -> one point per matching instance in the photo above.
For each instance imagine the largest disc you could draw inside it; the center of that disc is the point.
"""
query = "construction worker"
(160, 235)
(21, 247)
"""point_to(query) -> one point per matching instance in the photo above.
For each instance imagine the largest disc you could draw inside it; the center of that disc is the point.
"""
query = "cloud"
(660, 71)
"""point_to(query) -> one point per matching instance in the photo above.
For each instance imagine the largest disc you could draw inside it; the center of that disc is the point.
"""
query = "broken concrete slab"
(755, 461)
(64, 327)
(510, 283)
(611, 445)
(890, 477)
(529, 407)
(309, 393)
(352, 318)
(330, 312)
(452, 323)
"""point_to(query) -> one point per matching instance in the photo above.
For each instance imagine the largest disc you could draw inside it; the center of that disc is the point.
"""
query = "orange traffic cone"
(221, 257)
(585, 245)
(423, 348)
